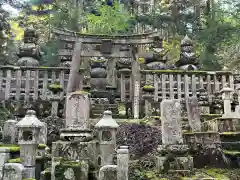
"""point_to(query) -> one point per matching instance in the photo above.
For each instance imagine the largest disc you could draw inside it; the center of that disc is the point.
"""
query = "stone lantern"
(107, 128)
(227, 97)
(28, 139)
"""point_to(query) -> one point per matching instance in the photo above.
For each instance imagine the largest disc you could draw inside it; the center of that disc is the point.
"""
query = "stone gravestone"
(108, 172)
(13, 171)
(77, 110)
(171, 122)
(43, 134)
(193, 110)
(10, 132)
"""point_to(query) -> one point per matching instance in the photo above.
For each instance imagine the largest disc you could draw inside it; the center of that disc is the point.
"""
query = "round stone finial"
(31, 112)
(108, 113)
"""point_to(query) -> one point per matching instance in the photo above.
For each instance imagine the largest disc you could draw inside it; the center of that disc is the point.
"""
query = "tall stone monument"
(77, 144)
(173, 154)
(194, 111)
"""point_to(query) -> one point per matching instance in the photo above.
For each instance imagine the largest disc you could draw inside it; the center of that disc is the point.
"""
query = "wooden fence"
(174, 84)
(32, 82)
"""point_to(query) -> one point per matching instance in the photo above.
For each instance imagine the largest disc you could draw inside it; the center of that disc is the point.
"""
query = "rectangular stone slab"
(171, 122)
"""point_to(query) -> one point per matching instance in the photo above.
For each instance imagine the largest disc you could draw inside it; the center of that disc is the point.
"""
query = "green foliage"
(112, 21)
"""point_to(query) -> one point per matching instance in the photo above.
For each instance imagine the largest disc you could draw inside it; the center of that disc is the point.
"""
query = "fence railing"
(175, 84)
(32, 82)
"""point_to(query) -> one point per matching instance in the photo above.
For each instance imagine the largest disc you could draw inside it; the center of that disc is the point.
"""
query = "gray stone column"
(122, 163)
(136, 100)
(227, 97)
(123, 87)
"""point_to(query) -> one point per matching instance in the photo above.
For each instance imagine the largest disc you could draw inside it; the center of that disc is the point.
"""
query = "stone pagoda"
(188, 59)
(29, 52)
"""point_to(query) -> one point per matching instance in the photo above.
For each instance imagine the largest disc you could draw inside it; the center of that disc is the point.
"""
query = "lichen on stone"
(12, 148)
(17, 160)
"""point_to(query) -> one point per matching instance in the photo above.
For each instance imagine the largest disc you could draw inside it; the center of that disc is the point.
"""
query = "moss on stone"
(148, 87)
(216, 173)
(234, 153)
(42, 146)
(82, 92)
(30, 179)
(70, 164)
(229, 133)
(141, 60)
(98, 60)
(55, 86)
(186, 72)
(12, 148)
(17, 160)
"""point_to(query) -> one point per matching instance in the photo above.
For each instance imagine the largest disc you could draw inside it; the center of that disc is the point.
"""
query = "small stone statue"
(188, 59)
(29, 52)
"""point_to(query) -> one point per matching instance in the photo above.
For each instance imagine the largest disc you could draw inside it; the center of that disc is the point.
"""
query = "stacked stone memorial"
(29, 52)
(188, 59)
(199, 140)
(78, 154)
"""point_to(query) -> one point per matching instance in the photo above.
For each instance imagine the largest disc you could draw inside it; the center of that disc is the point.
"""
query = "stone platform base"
(178, 164)
(73, 150)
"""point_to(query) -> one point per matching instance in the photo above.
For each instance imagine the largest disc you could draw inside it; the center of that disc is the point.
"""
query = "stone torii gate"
(109, 47)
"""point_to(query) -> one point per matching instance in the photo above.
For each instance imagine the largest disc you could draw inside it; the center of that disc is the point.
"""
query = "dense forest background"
(214, 25)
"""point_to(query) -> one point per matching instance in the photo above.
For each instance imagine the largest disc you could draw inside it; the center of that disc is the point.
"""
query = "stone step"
(231, 146)
(106, 105)
(230, 136)
(101, 115)
(102, 111)
(104, 108)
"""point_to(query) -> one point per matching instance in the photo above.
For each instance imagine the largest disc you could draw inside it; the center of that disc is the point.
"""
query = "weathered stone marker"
(13, 171)
(193, 110)
(171, 122)
(77, 110)
(10, 132)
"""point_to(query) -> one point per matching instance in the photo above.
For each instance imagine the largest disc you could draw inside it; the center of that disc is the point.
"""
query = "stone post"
(227, 96)
(193, 111)
(237, 109)
(107, 128)
(122, 163)
(9, 132)
(136, 100)
(28, 139)
(4, 156)
(55, 100)
(123, 87)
